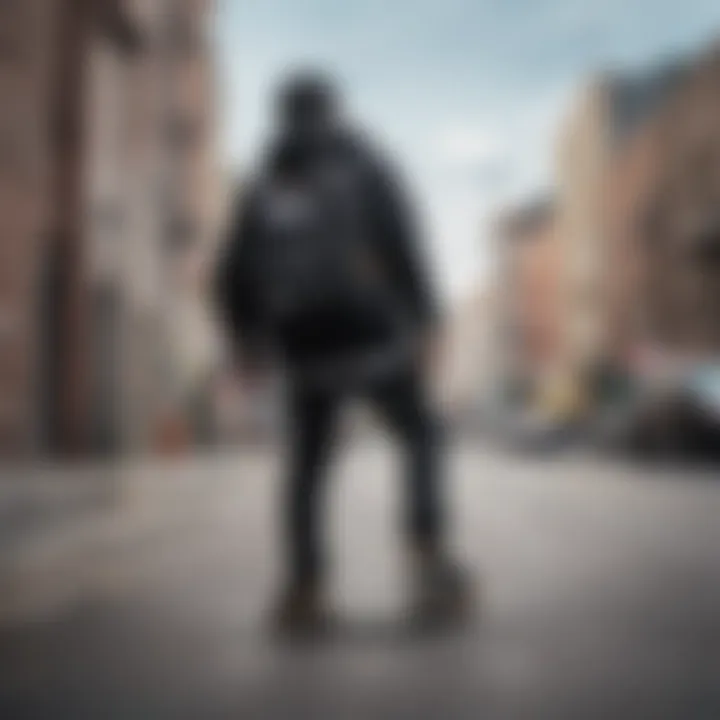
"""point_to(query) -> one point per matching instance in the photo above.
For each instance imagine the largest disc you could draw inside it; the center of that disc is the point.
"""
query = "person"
(323, 272)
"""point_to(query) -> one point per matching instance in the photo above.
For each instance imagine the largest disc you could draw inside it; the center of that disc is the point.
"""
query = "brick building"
(168, 339)
(528, 293)
(89, 230)
(666, 239)
(608, 116)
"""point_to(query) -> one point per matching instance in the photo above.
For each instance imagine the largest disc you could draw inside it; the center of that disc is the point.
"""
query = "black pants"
(402, 403)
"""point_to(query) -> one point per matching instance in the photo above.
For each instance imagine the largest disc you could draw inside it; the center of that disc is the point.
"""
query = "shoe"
(443, 595)
(302, 612)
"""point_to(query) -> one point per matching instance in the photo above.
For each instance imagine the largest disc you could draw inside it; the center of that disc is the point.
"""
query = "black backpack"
(313, 241)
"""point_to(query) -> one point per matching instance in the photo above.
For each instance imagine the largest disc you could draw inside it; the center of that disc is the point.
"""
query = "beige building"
(468, 370)
(584, 160)
(177, 217)
(607, 114)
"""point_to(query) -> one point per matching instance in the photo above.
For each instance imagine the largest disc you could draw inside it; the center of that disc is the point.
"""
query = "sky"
(466, 95)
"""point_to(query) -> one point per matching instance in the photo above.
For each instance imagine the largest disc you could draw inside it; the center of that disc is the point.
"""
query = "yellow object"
(562, 398)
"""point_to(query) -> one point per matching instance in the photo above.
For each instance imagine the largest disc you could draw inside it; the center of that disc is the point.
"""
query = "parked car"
(677, 417)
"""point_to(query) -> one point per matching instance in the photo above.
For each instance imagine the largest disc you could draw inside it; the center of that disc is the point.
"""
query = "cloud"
(467, 94)
(468, 145)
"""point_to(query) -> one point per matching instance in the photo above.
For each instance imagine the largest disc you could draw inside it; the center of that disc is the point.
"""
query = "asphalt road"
(599, 586)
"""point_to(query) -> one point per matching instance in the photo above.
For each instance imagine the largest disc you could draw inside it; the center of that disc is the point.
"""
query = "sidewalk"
(600, 587)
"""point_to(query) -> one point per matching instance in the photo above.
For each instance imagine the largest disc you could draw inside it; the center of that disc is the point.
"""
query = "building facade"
(85, 160)
(667, 225)
(603, 124)
(528, 292)
(46, 359)
(169, 343)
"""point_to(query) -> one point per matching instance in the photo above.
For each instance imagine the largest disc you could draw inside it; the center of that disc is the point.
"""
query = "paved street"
(144, 597)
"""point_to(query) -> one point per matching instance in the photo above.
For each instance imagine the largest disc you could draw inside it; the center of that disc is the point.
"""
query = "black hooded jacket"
(408, 306)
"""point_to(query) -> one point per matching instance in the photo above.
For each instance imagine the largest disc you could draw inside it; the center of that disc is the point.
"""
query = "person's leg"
(442, 592)
(403, 403)
(312, 421)
(302, 604)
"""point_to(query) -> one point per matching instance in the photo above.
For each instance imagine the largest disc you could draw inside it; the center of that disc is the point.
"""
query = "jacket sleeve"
(401, 246)
(236, 278)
